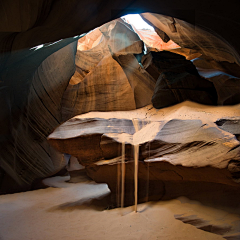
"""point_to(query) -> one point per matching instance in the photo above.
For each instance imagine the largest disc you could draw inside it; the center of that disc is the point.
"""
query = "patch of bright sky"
(137, 21)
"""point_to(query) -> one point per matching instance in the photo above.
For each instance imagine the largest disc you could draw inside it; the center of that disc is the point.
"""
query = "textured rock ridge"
(190, 143)
(175, 155)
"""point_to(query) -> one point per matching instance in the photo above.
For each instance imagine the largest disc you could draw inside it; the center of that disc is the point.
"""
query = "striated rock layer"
(187, 35)
(28, 155)
(190, 143)
(108, 75)
(175, 155)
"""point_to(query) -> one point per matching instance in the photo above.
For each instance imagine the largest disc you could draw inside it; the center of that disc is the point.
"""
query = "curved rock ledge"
(176, 156)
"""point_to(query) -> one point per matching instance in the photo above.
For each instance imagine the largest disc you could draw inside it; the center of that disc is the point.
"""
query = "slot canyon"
(119, 120)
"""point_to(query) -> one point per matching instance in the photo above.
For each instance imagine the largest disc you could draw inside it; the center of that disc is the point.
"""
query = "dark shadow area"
(98, 204)
(163, 181)
(204, 225)
(77, 176)
(214, 195)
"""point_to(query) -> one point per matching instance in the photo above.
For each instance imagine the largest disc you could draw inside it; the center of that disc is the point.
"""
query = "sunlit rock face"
(190, 143)
(37, 93)
(187, 152)
(108, 75)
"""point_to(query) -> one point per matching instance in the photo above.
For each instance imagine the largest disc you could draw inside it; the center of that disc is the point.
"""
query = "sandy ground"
(69, 211)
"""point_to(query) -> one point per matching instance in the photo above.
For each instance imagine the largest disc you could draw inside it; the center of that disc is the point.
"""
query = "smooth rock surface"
(142, 83)
(104, 89)
(175, 156)
(108, 76)
(29, 156)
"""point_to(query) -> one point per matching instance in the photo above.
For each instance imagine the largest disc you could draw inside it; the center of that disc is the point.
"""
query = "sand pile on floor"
(76, 211)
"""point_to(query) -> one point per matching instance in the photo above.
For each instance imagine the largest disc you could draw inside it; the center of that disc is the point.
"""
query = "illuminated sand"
(68, 211)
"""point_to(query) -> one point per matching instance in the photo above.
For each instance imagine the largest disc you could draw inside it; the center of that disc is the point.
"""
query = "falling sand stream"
(121, 170)
(136, 151)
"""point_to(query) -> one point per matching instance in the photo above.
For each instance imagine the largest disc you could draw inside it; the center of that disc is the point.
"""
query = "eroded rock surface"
(190, 36)
(104, 89)
(28, 156)
(108, 76)
(173, 155)
(189, 143)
